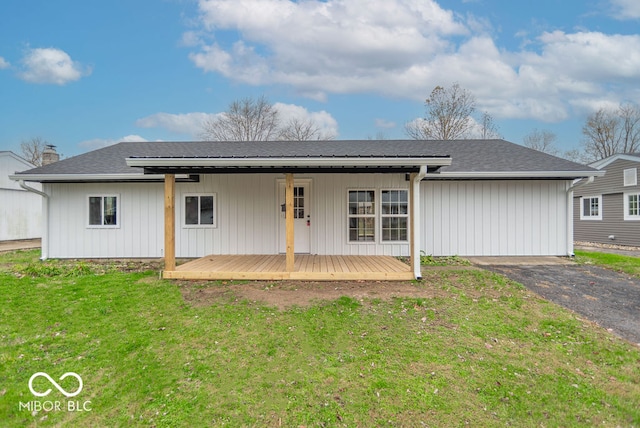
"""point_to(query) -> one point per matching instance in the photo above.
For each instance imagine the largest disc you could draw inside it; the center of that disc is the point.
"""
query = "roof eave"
(42, 178)
(517, 174)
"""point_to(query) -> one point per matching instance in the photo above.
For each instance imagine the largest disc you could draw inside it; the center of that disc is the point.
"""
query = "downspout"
(45, 221)
(415, 215)
(570, 212)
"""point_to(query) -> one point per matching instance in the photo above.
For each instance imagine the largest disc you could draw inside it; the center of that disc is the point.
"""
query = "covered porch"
(305, 267)
(292, 263)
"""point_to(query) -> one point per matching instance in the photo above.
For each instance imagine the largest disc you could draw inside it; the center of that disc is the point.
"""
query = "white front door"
(301, 217)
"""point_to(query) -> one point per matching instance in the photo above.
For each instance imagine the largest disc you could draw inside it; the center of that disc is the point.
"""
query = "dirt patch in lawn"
(285, 294)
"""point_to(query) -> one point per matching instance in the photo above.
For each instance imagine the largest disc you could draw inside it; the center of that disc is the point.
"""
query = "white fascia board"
(285, 162)
(606, 161)
(84, 177)
(517, 174)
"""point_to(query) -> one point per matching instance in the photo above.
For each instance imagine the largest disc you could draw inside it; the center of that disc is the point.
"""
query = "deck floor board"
(306, 267)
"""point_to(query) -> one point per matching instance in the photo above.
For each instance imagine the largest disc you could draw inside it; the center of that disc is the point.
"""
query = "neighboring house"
(607, 210)
(20, 210)
(348, 198)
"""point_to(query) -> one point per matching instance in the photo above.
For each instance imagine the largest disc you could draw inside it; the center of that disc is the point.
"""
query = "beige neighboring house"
(20, 210)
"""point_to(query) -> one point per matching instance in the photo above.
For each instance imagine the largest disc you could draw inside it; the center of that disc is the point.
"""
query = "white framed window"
(394, 215)
(632, 206)
(104, 211)
(591, 208)
(362, 215)
(200, 210)
(631, 177)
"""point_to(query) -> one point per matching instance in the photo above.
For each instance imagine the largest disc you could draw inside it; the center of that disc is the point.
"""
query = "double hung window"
(632, 206)
(394, 215)
(392, 212)
(591, 208)
(362, 215)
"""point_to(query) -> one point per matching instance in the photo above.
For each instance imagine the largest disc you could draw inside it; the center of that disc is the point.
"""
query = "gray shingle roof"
(468, 156)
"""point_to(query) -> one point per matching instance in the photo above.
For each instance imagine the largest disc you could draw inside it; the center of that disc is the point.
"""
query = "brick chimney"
(49, 155)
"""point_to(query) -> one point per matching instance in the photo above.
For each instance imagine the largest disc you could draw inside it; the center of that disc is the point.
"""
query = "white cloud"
(4, 63)
(385, 124)
(626, 9)
(404, 48)
(98, 143)
(323, 120)
(50, 65)
(191, 123)
(187, 123)
(334, 39)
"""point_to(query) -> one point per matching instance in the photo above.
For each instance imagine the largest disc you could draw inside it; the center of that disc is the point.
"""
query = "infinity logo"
(54, 383)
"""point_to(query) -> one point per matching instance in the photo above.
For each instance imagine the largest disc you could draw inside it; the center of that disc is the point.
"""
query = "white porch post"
(414, 220)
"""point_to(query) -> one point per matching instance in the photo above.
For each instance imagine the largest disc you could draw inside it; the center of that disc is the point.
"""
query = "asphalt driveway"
(608, 298)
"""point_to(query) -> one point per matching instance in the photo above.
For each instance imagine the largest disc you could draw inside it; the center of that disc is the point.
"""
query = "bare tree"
(32, 150)
(297, 129)
(541, 140)
(258, 120)
(630, 128)
(489, 129)
(575, 155)
(246, 120)
(611, 131)
(449, 116)
(380, 136)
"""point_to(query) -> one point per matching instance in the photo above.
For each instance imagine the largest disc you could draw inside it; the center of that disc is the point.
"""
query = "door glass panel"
(298, 202)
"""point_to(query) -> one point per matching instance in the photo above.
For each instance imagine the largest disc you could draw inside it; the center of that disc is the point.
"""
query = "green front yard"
(477, 349)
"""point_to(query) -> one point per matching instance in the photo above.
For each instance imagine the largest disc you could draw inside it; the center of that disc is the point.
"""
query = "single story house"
(307, 209)
(20, 210)
(607, 209)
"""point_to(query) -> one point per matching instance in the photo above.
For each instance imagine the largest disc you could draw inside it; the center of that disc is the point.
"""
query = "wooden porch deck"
(306, 267)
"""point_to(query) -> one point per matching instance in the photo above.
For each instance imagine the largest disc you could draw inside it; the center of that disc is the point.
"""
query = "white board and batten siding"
(457, 217)
(248, 214)
(20, 210)
(494, 218)
(138, 234)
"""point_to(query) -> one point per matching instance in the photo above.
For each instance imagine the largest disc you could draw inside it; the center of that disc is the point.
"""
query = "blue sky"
(83, 74)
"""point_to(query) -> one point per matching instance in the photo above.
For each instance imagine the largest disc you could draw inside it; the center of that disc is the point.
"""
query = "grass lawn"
(477, 349)
(620, 263)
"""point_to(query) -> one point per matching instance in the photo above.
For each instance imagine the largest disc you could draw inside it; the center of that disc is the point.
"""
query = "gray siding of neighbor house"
(612, 223)
(612, 182)
(612, 189)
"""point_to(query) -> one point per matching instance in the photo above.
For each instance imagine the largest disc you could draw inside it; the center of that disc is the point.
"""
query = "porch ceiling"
(283, 170)
(308, 164)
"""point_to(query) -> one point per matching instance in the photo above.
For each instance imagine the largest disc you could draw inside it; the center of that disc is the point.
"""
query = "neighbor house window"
(631, 177)
(632, 206)
(591, 208)
(200, 210)
(362, 216)
(394, 214)
(103, 211)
